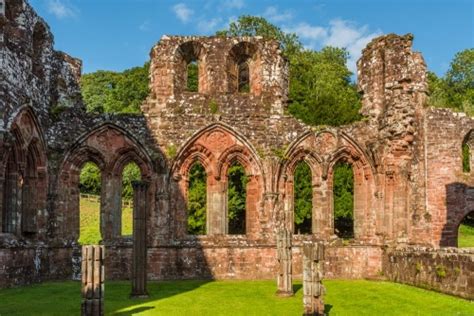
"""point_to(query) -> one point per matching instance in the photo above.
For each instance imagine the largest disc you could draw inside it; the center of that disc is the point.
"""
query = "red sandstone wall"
(448, 270)
(450, 194)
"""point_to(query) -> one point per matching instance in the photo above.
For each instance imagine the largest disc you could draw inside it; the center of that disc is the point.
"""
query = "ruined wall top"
(222, 63)
(388, 64)
(32, 73)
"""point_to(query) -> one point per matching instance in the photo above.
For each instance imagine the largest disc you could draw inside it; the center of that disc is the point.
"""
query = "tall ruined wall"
(392, 80)
(32, 73)
(408, 185)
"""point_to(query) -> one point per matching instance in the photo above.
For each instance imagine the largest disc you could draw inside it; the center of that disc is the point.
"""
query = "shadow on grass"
(117, 297)
(135, 310)
(297, 287)
(327, 309)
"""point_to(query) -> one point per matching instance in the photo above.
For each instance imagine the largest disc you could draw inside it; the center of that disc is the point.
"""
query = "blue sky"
(118, 34)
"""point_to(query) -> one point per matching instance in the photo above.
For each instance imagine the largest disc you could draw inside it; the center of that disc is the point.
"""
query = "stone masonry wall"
(409, 188)
(449, 270)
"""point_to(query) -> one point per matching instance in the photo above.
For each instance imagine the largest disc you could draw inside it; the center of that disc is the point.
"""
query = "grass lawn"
(466, 236)
(344, 297)
(90, 222)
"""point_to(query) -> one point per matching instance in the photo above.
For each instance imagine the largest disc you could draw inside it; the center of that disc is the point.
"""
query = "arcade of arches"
(228, 136)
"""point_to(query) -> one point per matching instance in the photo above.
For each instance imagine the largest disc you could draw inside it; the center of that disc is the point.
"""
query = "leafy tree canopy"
(456, 89)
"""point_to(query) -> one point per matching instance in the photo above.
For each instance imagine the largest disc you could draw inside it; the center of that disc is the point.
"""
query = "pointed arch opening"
(90, 187)
(197, 200)
(131, 172)
(343, 198)
(192, 76)
(236, 199)
(303, 199)
(10, 195)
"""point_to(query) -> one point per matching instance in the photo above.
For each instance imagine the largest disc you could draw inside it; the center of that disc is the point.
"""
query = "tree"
(247, 25)
(303, 199)
(236, 199)
(321, 92)
(115, 92)
(456, 89)
(196, 207)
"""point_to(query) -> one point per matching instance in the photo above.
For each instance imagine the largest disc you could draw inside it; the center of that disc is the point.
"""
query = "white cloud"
(274, 15)
(61, 9)
(347, 34)
(309, 32)
(183, 12)
(339, 33)
(145, 26)
(233, 4)
(208, 26)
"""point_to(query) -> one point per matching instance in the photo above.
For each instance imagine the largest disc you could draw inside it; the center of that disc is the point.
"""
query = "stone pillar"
(92, 280)
(284, 279)
(139, 239)
(110, 206)
(313, 289)
(216, 207)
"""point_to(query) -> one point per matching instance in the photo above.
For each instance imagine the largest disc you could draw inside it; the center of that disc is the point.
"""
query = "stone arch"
(24, 175)
(185, 54)
(364, 187)
(110, 147)
(214, 147)
(244, 56)
(286, 183)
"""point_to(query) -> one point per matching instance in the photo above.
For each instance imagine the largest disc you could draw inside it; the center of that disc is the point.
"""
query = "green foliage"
(115, 92)
(303, 199)
(56, 110)
(466, 158)
(196, 207)
(418, 267)
(320, 88)
(213, 107)
(321, 91)
(466, 231)
(130, 173)
(90, 179)
(343, 182)
(456, 89)
(171, 151)
(248, 297)
(441, 271)
(237, 196)
(247, 25)
(192, 82)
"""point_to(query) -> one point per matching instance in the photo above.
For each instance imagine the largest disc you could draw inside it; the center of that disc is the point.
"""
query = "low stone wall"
(447, 270)
(241, 262)
(35, 263)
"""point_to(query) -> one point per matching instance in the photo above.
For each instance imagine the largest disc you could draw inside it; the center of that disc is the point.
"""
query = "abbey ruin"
(410, 191)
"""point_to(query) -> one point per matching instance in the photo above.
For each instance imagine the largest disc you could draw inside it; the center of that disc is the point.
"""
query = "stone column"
(139, 239)
(92, 280)
(313, 289)
(216, 206)
(110, 206)
(284, 279)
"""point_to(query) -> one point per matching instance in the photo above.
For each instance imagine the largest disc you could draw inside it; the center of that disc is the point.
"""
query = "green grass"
(355, 297)
(90, 222)
(466, 236)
